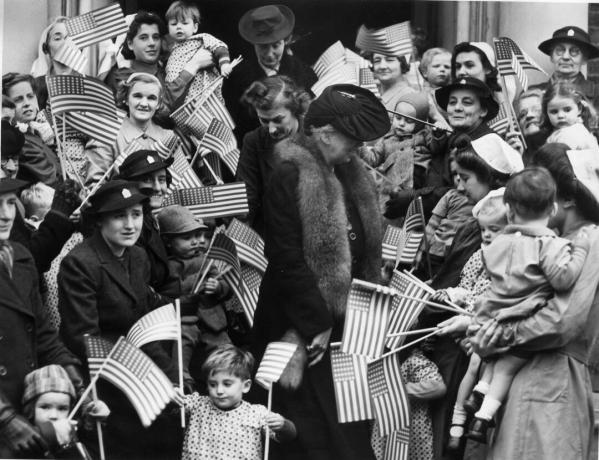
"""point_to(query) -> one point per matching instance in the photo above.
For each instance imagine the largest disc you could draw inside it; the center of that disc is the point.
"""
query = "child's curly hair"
(588, 114)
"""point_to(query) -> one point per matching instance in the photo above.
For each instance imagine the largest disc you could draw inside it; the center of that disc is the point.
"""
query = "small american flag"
(215, 107)
(407, 247)
(345, 73)
(223, 248)
(394, 40)
(191, 119)
(71, 56)
(96, 26)
(520, 73)
(389, 398)
(391, 240)
(159, 324)
(512, 60)
(214, 201)
(69, 93)
(250, 246)
(414, 217)
(368, 82)
(273, 363)
(501, 123)
(404, 311)
(366, 319)
(183, 174)
(351, 387)
(134, 373)
(220, 139)
(333, 56)
(397, 445)
(247, 291)
(95, 125)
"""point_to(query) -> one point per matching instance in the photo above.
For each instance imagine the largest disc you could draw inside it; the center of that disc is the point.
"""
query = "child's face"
(562, 112)
(453, 170)
(226, 390)
(188, 245)
(403, 125)
(439, 70)
(51, 406)
(182, 28)
(490, 227)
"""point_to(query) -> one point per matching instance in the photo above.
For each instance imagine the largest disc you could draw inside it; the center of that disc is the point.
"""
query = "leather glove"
(66, 198)
(397, 205)
(21, 437)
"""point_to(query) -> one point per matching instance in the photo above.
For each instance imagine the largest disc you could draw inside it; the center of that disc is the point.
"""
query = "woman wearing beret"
(322, 230)
(280, 106)
(104, 289)
(268, 29)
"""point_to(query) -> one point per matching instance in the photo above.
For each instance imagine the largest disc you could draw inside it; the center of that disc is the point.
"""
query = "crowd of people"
(89, 245)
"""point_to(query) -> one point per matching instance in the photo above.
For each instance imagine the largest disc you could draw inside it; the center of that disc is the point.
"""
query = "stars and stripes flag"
(247, 291)
(68, 93)
(352, 396)
(394, 40)
(408, 245)
(220, 139)
(391, 240)
(97, 25)
(214, 201)
(501, 123)
(134, 373)
(397, 445)
(520, 73)
(388, 395)
(367, 318)
(404, 311)
(250, 246)
(368, 82)
(222, 248)
(159, 324)
(356, 59)
(95, 125)
(512, 60)
(414, 219)
(71, 56)
(275, 360)
(332, 57)
(183, 174)
(192, 119)
(345, 73)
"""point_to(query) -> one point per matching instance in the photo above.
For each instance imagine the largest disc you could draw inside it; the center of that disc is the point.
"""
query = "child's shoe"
(478, 430)
(474, 401)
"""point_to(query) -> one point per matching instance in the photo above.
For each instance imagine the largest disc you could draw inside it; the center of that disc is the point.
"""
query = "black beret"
(143, 162)
(478, 87)
(12, 140)
(11, 185)
(351, 110)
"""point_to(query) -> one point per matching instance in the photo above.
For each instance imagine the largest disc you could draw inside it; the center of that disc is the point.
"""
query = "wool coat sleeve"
(248, 171)
(294, 284)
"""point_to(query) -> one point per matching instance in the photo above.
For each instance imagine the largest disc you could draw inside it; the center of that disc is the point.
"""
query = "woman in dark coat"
(280, 106)
(268, 29)
(103, 290)
(322, 230)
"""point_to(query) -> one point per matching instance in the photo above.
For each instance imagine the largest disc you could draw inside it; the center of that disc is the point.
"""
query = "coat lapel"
(10, 288)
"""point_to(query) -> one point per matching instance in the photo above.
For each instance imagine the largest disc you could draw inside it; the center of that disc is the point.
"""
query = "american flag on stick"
(223, 249)
(95, 125)
(214, 201)
(345, 73)
(407, 247)
(134, 373)
(366, 319)
(275, 360)
(97, 25)
(397, 445)
(183, 174)
(71, 56)
(389, 398)
(192, 119)
(404, 311)
(368, 82)
(68, 93)
(247, 291)
(414, 219)
(351, 386)
(333, 56)
(512, 60)
(159, 324)
(391, 240)
(394, 40)
(250, 246)
(501, 123)
(220, 139)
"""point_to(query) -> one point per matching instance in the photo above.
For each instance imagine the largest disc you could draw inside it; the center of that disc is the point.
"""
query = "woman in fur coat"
(322, 230)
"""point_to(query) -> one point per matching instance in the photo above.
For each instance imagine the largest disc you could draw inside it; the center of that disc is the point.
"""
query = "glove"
(21, 437)
(66, 198)
(397, 205)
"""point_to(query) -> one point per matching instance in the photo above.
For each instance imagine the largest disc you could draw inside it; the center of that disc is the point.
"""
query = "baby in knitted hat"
(403, 155)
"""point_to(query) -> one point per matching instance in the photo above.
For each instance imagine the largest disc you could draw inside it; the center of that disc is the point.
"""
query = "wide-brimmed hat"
(176, 219)
(115, 195)
(267, 24)
(12, 140)
(484, 92)
(143, 162)
(353, 111)
(11, 185)
(570, 34)
(52, 378)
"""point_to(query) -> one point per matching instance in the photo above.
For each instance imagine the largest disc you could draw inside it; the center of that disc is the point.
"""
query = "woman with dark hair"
(143, 47)
(280, 106)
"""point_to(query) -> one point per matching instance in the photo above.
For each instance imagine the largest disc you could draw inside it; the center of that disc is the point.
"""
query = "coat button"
(352, 236)
(29, 327)
(3, 371)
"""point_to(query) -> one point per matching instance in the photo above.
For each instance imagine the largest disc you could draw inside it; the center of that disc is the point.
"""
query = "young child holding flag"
(222, 426)
(186, 240)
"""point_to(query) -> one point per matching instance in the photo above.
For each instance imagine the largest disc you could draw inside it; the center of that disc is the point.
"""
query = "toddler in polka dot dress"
(221, 426)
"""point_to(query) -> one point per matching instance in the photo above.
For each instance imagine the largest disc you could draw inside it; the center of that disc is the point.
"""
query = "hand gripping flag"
(159, 324)
(274, 361)
(351, 386)
(132, 372)
(97, 25)
(250, 246)
(366, 319)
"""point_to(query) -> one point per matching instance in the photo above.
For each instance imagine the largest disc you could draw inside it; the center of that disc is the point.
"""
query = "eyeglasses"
(573, 51)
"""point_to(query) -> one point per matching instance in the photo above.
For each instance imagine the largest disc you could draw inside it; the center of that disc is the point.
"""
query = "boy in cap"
(186, 240)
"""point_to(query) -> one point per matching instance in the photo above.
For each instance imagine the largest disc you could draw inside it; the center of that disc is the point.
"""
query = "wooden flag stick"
(218, 180)
(440, 306)
(425, 239)
(418, 120)
(95, 188)
(180, 355)
(395, 350)
(414, 332)
(428, 288)
(99, 428)
(204, 274)
(267, 440)
(378, 173)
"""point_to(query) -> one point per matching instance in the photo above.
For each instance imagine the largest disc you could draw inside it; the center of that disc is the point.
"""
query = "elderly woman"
(280, 106)
(268, 29)
(141, 95)
(322, 230)
(104, 290)
(143, 47)
(554, 388)
(569, 49)
(529, 110)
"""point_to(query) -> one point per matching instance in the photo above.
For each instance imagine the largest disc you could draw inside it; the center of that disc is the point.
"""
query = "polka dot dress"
(474, 278)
